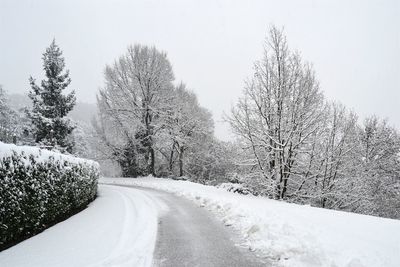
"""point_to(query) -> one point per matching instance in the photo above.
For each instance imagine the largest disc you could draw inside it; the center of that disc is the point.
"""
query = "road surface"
(189, 236)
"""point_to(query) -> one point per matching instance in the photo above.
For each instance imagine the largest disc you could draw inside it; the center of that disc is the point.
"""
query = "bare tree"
(333, 182)
(137, 86)
(188, 123)
(279, 113)
(380, 169)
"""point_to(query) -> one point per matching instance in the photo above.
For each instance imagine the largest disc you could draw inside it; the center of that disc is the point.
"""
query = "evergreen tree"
(50, 105)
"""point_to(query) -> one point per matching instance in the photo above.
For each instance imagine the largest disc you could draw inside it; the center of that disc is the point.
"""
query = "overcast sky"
(353, 45)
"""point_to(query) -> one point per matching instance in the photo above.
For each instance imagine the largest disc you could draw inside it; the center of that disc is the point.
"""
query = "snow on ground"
(290, 234)
(118, 229)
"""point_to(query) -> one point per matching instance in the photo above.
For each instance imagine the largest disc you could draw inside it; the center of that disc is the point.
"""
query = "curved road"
(189, 236)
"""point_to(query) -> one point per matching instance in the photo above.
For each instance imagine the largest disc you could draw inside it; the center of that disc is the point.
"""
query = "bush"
(39, 188)
(236, 188)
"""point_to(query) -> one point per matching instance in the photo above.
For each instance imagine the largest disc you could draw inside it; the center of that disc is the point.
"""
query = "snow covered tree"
(300, 148)
(138, 87)
(116, 143)
(187, 123)
(146, 124)
(279, 113)
(380, 168)
(330, 178)
(4, 110)
(50, 105)
(9, 126)
(3, 100)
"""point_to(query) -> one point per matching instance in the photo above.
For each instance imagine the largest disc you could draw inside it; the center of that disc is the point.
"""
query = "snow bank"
(119, 228)
(290, 234)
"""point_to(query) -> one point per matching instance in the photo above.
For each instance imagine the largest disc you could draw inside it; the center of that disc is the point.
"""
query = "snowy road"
(281, 233)
(128, 226)
(190, 236)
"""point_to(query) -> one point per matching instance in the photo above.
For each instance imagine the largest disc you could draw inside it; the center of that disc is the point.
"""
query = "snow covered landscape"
(199, 133)
(291, 234)
(120, 228)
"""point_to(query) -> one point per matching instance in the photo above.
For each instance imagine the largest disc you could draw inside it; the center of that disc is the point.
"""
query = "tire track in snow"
(190, 236)
(136, 240)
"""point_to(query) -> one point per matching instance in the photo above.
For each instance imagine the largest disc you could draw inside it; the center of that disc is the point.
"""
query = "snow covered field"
(290, 234)
(118, 229)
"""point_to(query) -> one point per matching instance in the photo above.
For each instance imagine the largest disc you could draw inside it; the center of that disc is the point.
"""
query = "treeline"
(151, 126)
(292, 143)
(302, 148)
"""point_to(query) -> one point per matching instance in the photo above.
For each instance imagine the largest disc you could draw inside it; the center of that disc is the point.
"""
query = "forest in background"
(291, 142)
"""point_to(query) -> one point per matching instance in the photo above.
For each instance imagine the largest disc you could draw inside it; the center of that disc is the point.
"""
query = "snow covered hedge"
(39, 188)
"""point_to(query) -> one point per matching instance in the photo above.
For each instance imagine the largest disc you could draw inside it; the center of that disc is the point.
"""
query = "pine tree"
(50, 105)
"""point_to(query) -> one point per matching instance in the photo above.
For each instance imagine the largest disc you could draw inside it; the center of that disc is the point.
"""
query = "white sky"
(354, 45)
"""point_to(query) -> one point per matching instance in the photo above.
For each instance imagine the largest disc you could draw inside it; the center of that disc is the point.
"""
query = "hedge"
(39, 188)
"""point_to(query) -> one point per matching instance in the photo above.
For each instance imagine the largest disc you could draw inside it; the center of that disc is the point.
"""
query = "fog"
(212, 45)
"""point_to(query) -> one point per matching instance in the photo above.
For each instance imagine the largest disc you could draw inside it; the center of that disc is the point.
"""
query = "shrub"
(39, 188)
(236, 188)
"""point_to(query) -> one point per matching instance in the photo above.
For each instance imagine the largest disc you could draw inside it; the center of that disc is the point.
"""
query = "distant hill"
(82, 112)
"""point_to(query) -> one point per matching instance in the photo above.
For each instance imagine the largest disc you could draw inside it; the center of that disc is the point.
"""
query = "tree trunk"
(181, 150)
(152, 162)
(171, 159)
